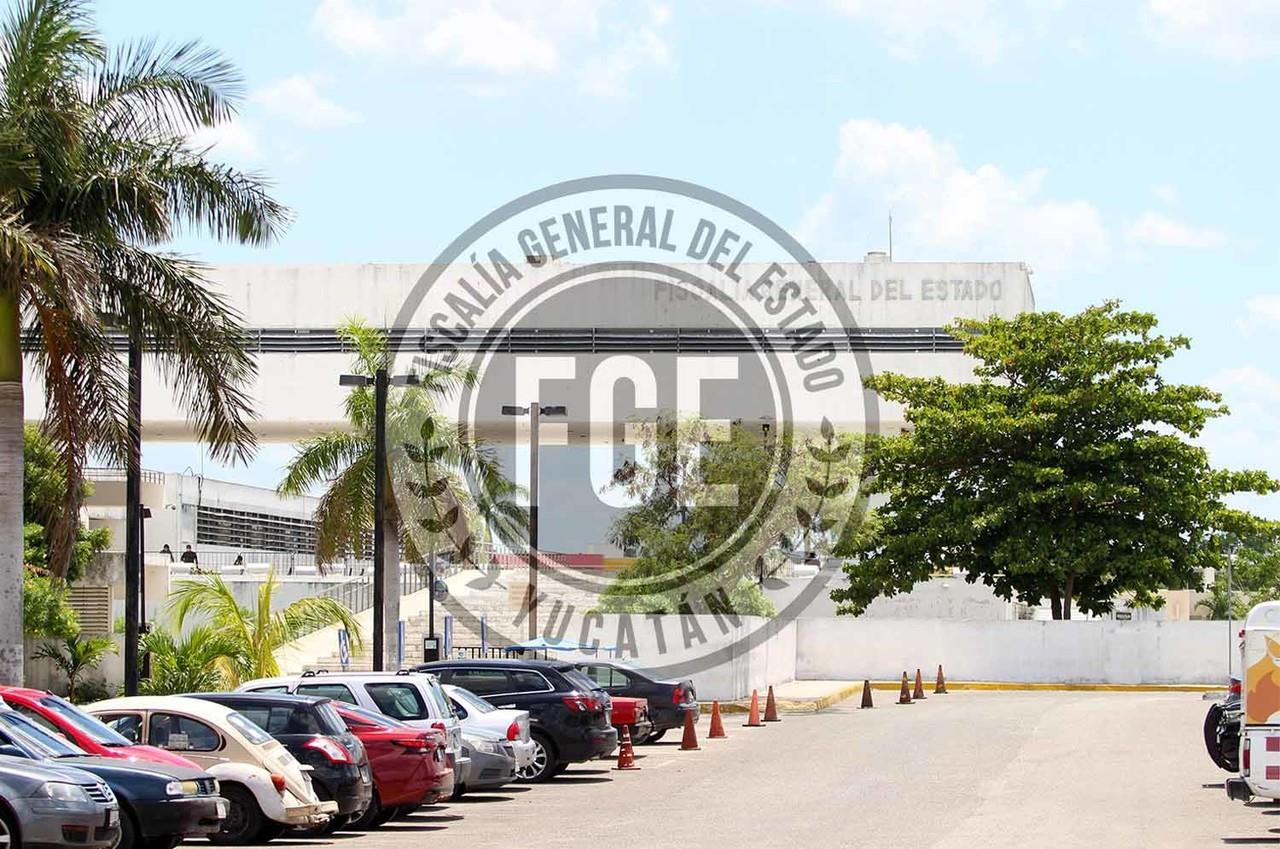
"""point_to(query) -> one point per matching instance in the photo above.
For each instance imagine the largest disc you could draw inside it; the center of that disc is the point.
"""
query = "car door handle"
(507, 707)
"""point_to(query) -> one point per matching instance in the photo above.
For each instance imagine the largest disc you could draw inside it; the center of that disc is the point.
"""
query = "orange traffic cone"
(717, 724)
(919, 691)
(626, 752)
(904, 695)
(689, 742)
(753, 717)
(941, 687)
(866, 694)
(771, 708)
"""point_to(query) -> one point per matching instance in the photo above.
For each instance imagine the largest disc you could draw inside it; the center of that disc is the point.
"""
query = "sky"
(1123, 148)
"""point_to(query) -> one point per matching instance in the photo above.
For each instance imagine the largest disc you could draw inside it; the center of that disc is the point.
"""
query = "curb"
(823, 702)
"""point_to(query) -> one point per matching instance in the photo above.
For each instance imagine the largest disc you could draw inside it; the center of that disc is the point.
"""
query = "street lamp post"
(382, 580)
(535, 412)
(133, 522)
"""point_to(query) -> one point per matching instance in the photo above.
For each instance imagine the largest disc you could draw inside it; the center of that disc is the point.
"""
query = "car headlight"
(182, 788)
(62, 791)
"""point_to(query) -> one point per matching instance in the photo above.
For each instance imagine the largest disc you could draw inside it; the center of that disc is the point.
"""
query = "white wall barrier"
(1098, 651)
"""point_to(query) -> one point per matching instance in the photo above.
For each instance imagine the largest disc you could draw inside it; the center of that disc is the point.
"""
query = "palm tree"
(192, 662)
(254, 635)
(96, 170)
(75, 657)
(466, 481)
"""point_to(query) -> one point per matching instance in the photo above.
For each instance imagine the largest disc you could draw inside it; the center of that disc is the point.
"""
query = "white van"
(412, 697)
(1260, 706)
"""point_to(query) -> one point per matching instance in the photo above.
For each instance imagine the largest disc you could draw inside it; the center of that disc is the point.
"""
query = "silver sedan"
(56, 806)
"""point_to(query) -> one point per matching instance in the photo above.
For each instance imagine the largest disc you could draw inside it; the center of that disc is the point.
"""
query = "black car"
(315, 734)
(159, 804)
(669, 701)
(1222, 729)
(568, 714)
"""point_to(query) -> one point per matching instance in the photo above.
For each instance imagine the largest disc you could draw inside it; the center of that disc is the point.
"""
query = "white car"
(507, 723)
(267, 790)
(415, 698)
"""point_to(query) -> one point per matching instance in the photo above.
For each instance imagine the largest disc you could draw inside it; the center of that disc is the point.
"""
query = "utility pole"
(379, 515)
(534, 414)
(133, 522)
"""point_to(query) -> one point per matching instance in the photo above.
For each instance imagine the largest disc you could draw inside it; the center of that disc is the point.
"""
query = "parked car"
(58, 715)
(312, 731)
(159, 804)
(493, 761)
(1222, 729)
(409, 764)
(632, 714)
(568, 714)
(415, 699)
(1259, 706)
(47, 804)
(265, 787)
(479, 714)
(669, 700)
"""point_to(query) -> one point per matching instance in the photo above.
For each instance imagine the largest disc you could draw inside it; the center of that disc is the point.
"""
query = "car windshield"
(90, 727)
(471, 701)
(35, 737)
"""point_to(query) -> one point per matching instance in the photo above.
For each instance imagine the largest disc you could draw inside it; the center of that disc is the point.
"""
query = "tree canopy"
(1065, 471)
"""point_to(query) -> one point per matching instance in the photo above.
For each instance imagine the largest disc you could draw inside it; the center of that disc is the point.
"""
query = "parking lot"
(961, 770)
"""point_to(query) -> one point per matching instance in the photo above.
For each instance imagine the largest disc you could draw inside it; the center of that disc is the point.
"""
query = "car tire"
(244, 823)
(1211, 720)
(369, 817)
(161, 843)
(655, 736)
(9, 830)
(542, 766)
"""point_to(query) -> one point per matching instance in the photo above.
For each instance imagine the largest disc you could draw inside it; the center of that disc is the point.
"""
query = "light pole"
(381, 381)
(133, 521)
(535, 411)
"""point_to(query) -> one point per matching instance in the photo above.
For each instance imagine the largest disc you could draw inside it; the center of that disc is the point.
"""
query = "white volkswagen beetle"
(267, 789)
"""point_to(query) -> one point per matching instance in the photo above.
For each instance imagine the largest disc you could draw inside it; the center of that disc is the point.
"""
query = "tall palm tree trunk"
(11, 650)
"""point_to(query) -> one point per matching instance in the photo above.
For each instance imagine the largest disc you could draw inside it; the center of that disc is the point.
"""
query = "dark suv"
(568, 713)
(669, 701)
(313, 732)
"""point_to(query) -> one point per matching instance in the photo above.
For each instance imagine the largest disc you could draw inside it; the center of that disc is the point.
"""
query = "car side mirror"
(11, 750)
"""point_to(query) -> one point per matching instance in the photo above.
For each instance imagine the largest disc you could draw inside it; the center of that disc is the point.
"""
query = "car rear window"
(330, 722)
(398, 701)
(283, 719)
(577, 679)
(89, 726)
(251, 732)
(481, 681)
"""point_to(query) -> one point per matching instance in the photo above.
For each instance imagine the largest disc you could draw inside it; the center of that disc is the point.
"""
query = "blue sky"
(1124, 149)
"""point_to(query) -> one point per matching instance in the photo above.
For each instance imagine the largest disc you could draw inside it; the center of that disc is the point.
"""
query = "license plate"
(222, 809)
(113, 817)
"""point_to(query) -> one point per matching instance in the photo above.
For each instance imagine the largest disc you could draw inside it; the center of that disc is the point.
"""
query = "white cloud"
(1155, 229)
(1263, 313)
(232, 140)
(298, 99)
(1246, 439)
(1165, 192)
(1233, 30)
(483, 41)
(910, 26)
(945, 210)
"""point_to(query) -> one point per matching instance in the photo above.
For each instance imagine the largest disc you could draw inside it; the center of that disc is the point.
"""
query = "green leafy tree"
(685, 512)
(193, 662)
(97, 169)
(1065, 472)
(75, 656)
(46, 612)
(44, 496)
(1255, 577)
(253, 635)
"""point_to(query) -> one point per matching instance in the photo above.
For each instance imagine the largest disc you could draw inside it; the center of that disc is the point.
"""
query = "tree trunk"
(1066, 597)
(11, 649)
(391, 591)
(1055, 603)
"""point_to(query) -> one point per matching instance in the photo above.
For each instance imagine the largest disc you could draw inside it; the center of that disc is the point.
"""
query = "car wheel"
(128, 831)
(9, 838)
(369, 818)
(542, 765)
(655, 736)
(244, 821)
(1211, 720)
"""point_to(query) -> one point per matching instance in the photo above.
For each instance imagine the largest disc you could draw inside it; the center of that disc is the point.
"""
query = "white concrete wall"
(1097, 651)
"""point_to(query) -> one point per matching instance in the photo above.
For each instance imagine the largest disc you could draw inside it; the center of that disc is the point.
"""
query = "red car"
(61, 717)
(409, 764)
(632, 713)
